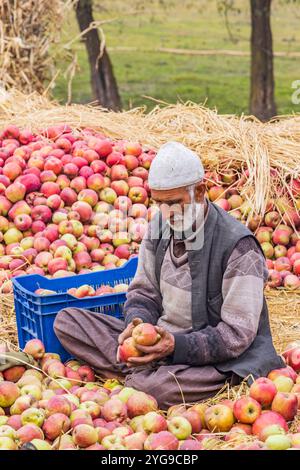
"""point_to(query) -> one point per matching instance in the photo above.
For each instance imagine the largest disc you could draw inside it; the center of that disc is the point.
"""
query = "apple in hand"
(145, 334)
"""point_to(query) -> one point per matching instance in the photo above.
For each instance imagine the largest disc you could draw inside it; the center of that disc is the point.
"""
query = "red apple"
(263, 391)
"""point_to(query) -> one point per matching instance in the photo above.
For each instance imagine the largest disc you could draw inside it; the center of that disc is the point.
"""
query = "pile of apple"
(87, 291)
(277, 231)
(70, 202)
(59, 406)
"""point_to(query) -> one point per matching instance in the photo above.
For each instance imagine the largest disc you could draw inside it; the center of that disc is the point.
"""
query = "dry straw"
(28, 30)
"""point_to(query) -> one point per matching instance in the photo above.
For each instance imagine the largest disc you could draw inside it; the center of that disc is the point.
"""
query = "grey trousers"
(93, 338)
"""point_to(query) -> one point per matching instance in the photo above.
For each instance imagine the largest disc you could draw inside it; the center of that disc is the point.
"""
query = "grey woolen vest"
(207, 266)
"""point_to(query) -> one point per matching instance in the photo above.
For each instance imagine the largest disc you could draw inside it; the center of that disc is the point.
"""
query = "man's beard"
(187, 224)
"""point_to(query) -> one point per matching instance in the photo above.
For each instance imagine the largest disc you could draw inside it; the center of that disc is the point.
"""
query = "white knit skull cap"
(175, 166)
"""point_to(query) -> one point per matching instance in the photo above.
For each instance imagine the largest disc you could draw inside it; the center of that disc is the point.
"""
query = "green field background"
(219, 81)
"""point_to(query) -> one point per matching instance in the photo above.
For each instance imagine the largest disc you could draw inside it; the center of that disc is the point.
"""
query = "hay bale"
(28, 29)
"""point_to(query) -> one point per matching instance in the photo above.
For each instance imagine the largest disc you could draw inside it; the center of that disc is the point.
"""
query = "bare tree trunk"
(262, 103)
(103, 82)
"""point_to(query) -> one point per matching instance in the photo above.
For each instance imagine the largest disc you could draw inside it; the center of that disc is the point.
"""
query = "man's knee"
(62, 322)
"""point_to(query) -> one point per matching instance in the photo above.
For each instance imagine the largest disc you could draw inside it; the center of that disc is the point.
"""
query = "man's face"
(175, 203)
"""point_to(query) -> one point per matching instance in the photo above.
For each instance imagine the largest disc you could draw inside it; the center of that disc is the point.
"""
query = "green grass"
(220, 81)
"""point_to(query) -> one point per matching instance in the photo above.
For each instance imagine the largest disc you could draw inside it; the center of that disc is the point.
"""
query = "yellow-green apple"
(266, 419)
(286, 404)
(125, 393)
(6, 443)
(283, 384)
(92, 408)
(103, 207)
(136, 423)
(145, 334)
(9, 392)
(70, 240)
(246, 410)
(219, 418)
(84, 435)
(128, 349)
(109, 442)
(13, 235)
(180, 427)
(60, 384)
(278, 442)
(8, 431)
(114, 410)
(59, 216)
(139, 403)
(55, 425)
(163, 440)
(33, 416)
(40, 444)
(108, 195)
(35, 348)
(13, 374)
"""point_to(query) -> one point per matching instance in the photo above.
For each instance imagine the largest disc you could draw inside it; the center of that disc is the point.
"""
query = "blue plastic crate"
(35, 314)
